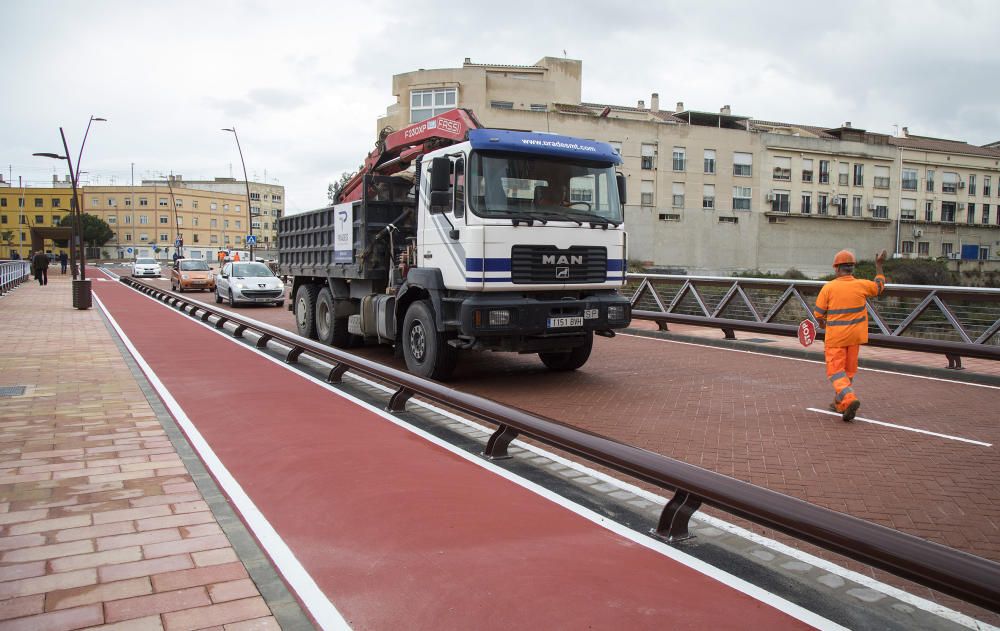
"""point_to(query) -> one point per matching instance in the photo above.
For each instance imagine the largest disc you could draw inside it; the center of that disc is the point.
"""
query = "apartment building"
(713, 192)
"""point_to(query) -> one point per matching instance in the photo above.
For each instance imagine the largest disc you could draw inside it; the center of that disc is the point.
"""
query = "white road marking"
(828, 566)
(683, 558)
(319, 606)
(904, 427)
(810, 361)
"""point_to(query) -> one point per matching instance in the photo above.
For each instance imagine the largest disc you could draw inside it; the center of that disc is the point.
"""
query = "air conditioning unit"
(954, 256)
(961, 185)
(872, 206)
(961, 205)
(835, 201)
(769, 197)
(918, 233)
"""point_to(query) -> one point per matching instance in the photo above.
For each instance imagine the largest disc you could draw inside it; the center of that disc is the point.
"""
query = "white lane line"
(809, 361)
(904, 427)
(734, 582)
(319, 606)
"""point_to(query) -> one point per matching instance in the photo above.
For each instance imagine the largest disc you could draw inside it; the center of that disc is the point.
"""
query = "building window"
(143, 219)
(143, 201)
(948, 212)
(238, 209)
(780, 201)
(708, 196)
(225, 224)
(196, 237)
(930, 180)
(178, 203)
(710, 161)
(909, 179)
(128, 202)
(238, 224)
(128, 237)
(648, 153)
(908, 209)
(907, 247)
(111, 219)
(164, 219)
(646, 195)
(213, 206)
(824, 171)
(972, 184)
(3, 202)
(741, 197)
(970, 214)
(986, 185)
(127, 219)
(20, 201)
(180, 220)
(225, 207)
(143, 236)
(859, 174)
(946, 249)
(929, 211)
(806, 207)
(502, 105)
(194, 222)
(275, 198)
(923, 248)
(822, 204)
(164, 236)
(949, 182)
(743, 164)
(426, 104)
(213, 238)
(807, 170)
(680, 159)
(163, 202)
(856, 203)
(669, 217)
(94, 202)
(881, 177)
(39, 202)
(881, 208)
(539, 107)
(984, 253)
(39, 219)
(194, 203)
(617, 146)
(677, 199)
(213, 223)
(782, 169)
(724, 219)
(986, 214)
(23, 219)
(255, 197)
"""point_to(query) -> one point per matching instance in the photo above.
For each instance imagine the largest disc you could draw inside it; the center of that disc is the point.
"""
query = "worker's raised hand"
(880, 256)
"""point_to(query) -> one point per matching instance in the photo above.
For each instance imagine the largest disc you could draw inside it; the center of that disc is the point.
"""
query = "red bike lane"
(399, 532)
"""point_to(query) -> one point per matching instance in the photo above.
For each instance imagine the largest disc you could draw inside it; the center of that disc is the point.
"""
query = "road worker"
(841, 308)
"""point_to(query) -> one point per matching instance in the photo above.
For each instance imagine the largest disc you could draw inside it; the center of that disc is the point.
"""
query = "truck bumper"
(505, 315)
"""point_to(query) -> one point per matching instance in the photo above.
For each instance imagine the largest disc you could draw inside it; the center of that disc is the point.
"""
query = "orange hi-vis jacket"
(843, 303)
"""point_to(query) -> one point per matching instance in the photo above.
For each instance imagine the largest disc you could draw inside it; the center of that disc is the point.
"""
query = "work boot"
(851, 411)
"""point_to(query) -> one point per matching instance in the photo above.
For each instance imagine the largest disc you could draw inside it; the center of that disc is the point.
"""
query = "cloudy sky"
(304, 82)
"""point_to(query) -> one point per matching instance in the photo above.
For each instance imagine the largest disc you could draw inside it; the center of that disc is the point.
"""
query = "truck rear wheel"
(305, 310)
(426, 351)
(569, 360)
(330, 329)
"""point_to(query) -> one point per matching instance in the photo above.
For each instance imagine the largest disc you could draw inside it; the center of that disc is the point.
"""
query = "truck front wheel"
(330, 329)
(305, 310)
(426, 351)
(571, 359)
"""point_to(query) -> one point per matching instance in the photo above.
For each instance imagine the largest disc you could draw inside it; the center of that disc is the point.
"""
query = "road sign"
(178, 243)
(129, 250)
(807, 332)
(251, 239)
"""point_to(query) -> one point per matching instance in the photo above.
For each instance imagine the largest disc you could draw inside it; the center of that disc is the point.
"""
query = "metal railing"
(12, 274)
(968, 577)
(955, 321)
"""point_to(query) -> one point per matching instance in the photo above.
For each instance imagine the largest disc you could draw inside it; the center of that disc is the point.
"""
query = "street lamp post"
(245, 181)
(81, 287)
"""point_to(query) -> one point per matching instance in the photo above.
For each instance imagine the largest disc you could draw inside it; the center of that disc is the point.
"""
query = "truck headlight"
(499, 317)
(616, 312)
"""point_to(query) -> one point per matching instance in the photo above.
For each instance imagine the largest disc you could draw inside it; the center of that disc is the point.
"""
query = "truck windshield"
(519, 186)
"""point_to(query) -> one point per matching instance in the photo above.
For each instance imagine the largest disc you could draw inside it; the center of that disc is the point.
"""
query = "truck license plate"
(557, 323)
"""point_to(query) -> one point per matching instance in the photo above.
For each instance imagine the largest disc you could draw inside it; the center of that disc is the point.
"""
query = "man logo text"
(561, 259)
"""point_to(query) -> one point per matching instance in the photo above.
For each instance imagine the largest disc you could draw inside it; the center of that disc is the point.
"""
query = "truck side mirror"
(620, 177)
(440, 201)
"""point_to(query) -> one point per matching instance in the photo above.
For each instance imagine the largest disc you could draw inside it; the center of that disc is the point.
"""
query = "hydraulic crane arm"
(400, 148)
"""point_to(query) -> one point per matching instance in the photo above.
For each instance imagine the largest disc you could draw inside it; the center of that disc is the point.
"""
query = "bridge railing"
(12, 274)
(954, 321)
(949, 571)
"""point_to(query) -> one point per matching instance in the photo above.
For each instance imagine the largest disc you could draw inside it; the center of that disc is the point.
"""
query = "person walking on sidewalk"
(40, 266)
(63, 261)
(841, 308)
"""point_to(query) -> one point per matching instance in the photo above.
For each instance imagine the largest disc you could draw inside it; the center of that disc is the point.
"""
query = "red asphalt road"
(399, 532)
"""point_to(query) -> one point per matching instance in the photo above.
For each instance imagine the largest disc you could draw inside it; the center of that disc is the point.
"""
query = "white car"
(145, 267)
(248, 282)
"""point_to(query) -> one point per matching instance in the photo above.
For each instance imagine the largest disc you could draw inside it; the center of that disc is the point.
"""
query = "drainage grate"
(11, 391)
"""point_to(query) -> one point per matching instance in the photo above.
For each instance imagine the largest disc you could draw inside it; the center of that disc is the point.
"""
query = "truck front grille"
(536, 264)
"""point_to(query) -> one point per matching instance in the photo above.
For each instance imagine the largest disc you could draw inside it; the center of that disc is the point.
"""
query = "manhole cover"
(11, 391)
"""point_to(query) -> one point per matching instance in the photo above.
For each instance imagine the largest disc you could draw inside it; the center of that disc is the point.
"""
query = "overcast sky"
(304, 82)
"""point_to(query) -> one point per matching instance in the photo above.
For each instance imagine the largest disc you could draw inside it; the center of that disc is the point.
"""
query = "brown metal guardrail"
(954, 321)
(949, 571)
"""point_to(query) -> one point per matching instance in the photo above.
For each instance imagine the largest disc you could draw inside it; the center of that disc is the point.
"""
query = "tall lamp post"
(81, 287)
(245, 181)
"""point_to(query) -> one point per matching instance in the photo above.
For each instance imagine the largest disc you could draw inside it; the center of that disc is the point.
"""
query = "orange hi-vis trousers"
(841, 366)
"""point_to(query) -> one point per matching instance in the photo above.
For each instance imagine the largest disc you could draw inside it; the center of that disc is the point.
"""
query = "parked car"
(146, 267)
(191, 274)
(248, 282)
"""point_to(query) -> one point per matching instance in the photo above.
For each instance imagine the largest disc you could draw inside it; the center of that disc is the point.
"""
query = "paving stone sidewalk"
(101, 524)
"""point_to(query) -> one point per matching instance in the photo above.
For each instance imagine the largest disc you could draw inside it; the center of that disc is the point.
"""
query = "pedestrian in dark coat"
(63, 261)
(40, 266)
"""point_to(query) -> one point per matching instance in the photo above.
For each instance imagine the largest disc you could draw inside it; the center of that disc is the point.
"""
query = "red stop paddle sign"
(807, 332)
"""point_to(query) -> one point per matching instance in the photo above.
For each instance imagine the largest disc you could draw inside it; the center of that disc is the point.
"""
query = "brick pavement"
(101, 524)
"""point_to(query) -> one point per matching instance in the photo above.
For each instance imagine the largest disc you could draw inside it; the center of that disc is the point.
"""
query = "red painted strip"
(398, 532)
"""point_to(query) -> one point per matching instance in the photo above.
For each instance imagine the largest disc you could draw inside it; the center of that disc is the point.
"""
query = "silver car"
(146, 267)
(248, 282)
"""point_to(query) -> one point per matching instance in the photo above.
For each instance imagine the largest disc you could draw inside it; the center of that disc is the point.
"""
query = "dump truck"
(452, 237)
